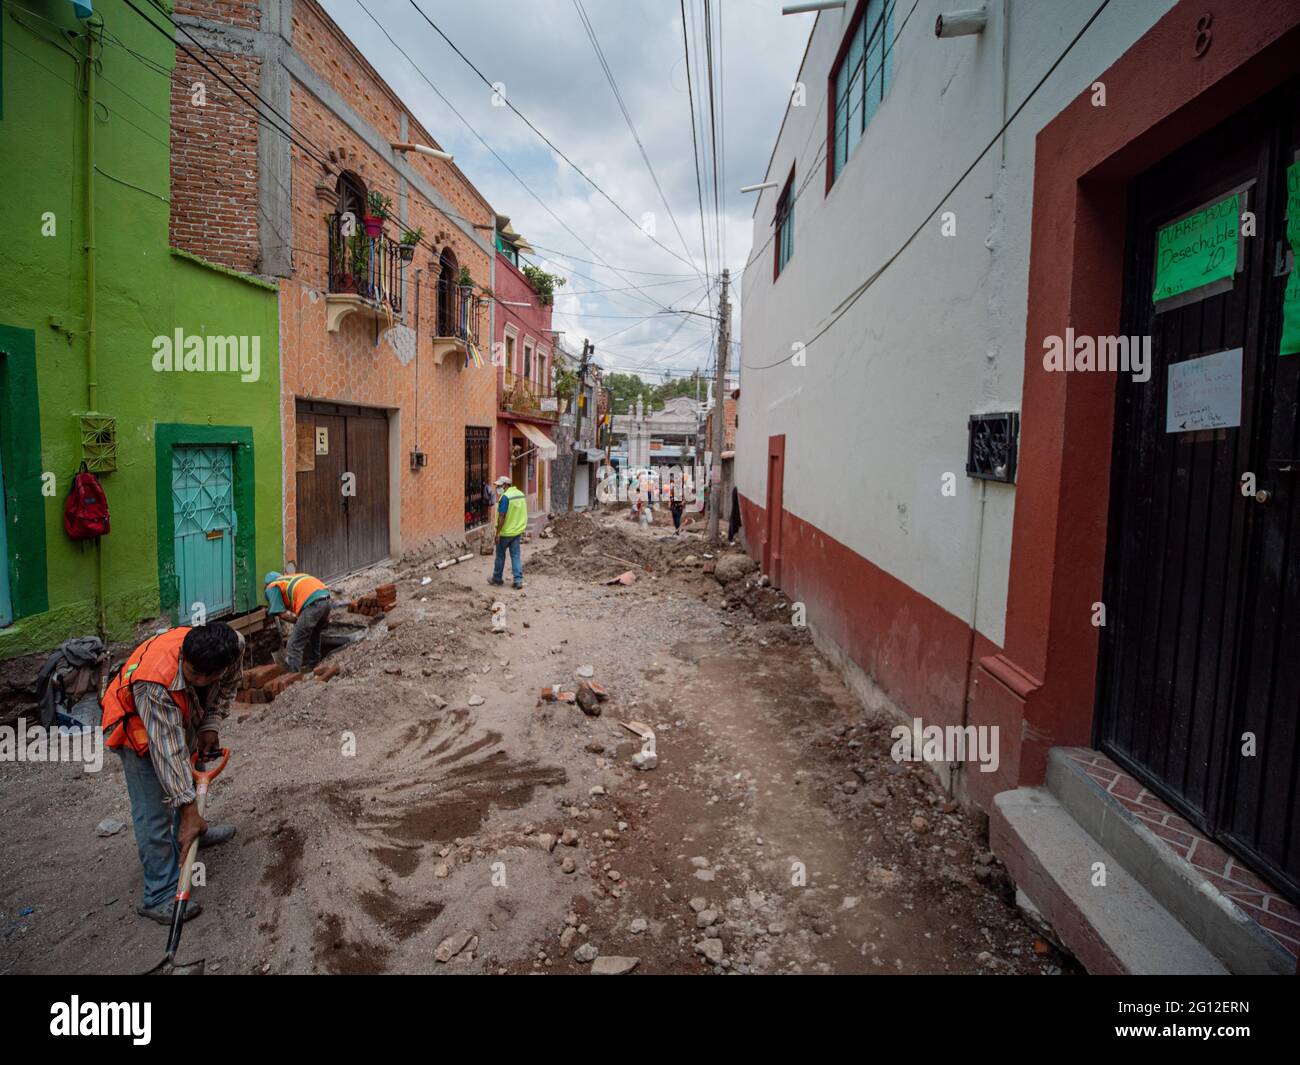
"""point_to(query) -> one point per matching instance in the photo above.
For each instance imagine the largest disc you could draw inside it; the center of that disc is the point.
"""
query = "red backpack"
(85, 511)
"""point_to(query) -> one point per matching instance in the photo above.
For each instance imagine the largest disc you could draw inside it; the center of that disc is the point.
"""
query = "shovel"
(212, 765)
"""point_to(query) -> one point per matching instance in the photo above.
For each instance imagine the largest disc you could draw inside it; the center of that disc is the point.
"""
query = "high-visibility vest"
(296, 588)
(157, 661)
(516, 520)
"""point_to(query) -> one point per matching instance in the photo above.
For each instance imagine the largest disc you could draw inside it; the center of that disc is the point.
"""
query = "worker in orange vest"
(307, 600)
(166, 700)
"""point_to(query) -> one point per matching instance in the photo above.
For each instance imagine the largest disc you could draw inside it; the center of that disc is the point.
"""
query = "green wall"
(144, 290)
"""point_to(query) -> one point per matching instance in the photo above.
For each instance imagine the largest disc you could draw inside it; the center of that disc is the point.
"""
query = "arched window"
(352, 196)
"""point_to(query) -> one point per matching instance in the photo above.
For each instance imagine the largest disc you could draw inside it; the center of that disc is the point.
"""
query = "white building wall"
(879, 411)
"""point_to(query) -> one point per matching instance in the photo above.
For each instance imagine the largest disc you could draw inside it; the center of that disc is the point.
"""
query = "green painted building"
(158, 370)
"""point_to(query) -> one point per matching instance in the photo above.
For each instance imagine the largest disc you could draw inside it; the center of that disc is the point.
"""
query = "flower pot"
(374, 225)
(406, 251)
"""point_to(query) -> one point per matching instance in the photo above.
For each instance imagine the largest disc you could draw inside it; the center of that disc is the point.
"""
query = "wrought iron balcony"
(369, 269)
(456, 322)
(519, 395)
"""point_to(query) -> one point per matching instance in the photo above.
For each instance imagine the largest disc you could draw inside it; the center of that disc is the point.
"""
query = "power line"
(690, 96)
(549, 143)
(846, 304)
(627, 117)
(509, 169)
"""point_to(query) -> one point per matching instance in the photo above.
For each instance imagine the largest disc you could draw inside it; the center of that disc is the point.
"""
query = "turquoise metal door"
(203, 512)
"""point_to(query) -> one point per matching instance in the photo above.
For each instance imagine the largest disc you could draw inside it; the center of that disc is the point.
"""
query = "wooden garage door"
(342, 478)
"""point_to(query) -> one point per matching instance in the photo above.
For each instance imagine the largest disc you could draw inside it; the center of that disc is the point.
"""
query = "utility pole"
(587, 349)
(719, 409)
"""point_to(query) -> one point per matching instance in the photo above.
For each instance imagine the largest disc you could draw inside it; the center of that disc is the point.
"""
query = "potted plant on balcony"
(410, 241)
(357, 262)
(379, 207)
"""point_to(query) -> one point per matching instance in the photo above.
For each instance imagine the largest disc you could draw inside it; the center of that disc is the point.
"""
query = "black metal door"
(1202, 641)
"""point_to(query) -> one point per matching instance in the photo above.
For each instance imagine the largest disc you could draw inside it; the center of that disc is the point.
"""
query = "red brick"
(326, 672)
(1125, 787)
(259, 676)
(251, 696)
(278, 685)
(1246, 878)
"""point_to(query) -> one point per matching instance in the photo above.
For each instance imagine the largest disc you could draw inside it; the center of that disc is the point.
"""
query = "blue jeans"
(516, 559)
(157, 827)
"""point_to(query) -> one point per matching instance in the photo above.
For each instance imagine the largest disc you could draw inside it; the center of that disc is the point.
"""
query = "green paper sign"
(1197, 250)
(1291, 295)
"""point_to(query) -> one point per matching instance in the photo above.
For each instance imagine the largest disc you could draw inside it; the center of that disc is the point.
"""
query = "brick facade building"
(387, 406)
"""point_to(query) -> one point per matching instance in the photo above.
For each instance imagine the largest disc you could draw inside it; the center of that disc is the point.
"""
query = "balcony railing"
(519, 395)
(457, 312)
(456, 322)
(365, 266)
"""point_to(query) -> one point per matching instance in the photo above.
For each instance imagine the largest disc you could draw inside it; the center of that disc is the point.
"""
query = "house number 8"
(1203, 35)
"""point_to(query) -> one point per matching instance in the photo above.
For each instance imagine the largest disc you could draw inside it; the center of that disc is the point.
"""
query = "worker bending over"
(166, 700)
(306, 599)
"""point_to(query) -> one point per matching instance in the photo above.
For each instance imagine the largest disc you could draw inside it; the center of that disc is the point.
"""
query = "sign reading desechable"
(1198, 249)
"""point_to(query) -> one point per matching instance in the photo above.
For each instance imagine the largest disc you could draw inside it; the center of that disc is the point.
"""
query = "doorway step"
(1172, 902)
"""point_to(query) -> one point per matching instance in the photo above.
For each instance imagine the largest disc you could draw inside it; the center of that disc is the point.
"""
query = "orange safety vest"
(157, 661)
(296, 589)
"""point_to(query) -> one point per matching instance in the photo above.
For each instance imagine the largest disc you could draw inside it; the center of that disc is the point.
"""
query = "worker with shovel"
(307, 600)
(166, 700)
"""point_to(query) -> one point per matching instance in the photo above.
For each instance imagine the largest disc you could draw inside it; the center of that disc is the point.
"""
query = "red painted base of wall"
(915, 650)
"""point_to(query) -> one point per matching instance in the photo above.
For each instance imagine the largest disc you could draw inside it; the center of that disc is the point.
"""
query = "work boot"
(517, 586)
(497, 584)
(216, 835)
(162, 913)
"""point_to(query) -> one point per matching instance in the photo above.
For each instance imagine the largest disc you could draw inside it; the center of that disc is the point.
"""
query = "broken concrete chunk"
(613, 965)
(588, 700)
(454, 944)
(109, 827)
(711, 949)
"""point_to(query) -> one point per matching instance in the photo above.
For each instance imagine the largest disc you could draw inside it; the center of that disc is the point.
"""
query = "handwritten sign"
(1204, 393)
(1198, 249)
(1291, 295)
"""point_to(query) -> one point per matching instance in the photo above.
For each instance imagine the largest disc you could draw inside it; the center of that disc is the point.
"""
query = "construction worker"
(166, 700)
(307, 600)
(511, 521)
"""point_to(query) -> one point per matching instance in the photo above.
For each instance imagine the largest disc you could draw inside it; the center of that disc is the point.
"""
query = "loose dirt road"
(418, 800)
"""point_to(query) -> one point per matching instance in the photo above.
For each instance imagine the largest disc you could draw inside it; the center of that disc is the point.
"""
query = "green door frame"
(20, 442)
(168, 436)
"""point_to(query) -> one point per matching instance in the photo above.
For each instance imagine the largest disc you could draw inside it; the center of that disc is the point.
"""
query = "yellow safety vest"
(516, 519)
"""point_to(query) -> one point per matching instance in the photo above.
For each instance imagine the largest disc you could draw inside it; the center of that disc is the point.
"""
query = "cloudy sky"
(541, 52)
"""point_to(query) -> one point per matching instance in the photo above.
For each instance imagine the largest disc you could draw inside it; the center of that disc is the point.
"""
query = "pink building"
(523, 351)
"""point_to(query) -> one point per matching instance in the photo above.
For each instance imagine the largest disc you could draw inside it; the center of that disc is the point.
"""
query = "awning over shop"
(546, 448)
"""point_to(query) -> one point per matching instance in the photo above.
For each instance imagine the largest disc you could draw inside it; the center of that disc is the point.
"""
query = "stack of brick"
(372, 604)
(264, 683)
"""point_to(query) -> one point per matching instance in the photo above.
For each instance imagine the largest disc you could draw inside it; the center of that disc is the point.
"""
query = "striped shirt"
(171, 739)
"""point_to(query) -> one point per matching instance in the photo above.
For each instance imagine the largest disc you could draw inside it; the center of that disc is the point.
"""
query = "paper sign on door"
(1204, 393)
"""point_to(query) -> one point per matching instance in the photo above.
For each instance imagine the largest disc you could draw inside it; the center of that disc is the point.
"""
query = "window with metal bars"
(478, 499)
(860, 78)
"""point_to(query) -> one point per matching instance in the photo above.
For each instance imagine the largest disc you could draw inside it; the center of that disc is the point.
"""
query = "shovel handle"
(204, 777)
